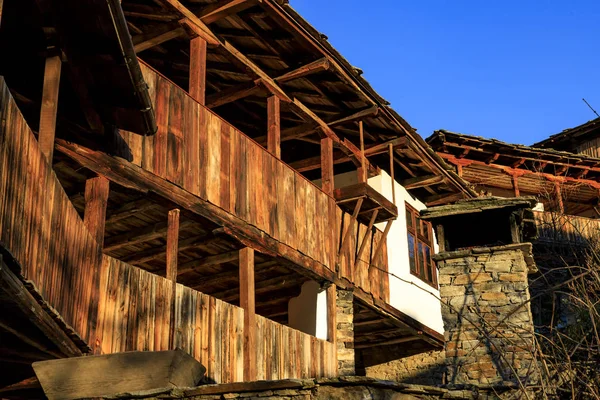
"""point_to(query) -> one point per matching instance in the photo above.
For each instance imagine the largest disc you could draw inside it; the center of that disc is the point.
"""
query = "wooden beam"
(247, 302)
(49, 106)
(388, 342)
(193, 22)
(362, 172)
(134, 177)
(172, 244)
(107, 375)
(393, 179)
(197, 85)
(96, 199)
(350, 226)
(332, 314)
(444, 198)
(422, 181)
(364, 241)
(141, 235)
(327, 175)
(232, 94)
(251, 88)
(313, 163)
(217, 259)
(274, 126)
(383, 239)
(319, 65)
(221, 9)
(149, 40)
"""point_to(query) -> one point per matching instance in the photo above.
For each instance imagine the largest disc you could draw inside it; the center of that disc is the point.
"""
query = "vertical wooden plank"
(327, 183)
(175, 151)
(198, 69)
(300, 215)
(204, 323)
(247, 302)
(163, 104)
(191, 146)
(312, 222)
(274, 126)
(49, 106)
(224, 173)
(272, 172)
(213, 165)
(96, 199)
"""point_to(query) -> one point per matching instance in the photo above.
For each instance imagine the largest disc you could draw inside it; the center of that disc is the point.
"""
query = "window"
(420, 245)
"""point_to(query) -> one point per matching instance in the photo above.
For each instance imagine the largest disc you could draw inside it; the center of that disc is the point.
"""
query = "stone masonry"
(345, 332)
(487, 318)
(425, 369)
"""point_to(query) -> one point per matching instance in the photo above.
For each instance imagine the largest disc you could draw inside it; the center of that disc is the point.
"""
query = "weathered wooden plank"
(49, 106)
(96, 200)
(198, 69)
(213, 164)
(191, 137)
(247, 302)
(174, 152)
(161, 137)
(274, 126)
(108, 375)
(300, 216)
(224, 172)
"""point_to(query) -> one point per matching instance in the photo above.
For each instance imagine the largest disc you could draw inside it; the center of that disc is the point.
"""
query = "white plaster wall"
(308, 311)
(410, 295)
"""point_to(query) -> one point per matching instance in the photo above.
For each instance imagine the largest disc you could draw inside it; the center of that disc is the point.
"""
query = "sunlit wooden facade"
(167, 181)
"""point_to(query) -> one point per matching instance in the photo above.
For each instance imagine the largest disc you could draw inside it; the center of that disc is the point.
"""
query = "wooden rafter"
(223, 8)
(229, 51)
(147, 41)
(141, 235)
(217, 259)
(422, 181)
(251, 88)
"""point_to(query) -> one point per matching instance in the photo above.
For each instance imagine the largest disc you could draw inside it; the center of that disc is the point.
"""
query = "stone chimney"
(483, 265)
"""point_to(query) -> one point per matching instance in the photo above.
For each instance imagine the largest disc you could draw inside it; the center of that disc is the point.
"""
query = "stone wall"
(425, 369)
(345, 332)
(343, 388)
(487, 318)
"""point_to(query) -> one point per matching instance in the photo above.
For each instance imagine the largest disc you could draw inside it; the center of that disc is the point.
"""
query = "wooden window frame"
(423, 268)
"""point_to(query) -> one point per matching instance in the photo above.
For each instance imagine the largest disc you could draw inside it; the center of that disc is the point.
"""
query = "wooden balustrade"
(566, 229)
(197, 150)
(114, 306)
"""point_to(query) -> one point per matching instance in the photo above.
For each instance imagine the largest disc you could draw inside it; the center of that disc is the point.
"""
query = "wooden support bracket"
(363, 244)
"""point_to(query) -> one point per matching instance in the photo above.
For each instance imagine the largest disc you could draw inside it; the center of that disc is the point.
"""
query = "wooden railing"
(566, 229)
(197, 150)
(114, 306)
(369, 273)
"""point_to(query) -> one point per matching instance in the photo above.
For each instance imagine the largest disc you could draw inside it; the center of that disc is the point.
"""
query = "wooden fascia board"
(147, 41)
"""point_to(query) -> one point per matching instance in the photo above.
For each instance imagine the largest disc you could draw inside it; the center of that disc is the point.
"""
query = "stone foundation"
(424, 369)
(345, 332)
(487, 318)
(344, 388)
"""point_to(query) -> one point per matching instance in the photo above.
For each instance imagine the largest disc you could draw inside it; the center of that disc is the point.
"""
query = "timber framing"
(522, 170)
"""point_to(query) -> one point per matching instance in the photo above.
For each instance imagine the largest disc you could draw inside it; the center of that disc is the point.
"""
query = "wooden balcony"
(567, 230)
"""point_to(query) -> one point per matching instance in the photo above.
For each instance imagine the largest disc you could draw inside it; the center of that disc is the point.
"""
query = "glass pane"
(420, 260)
(411, 253)
(428, 274)
(409, 218)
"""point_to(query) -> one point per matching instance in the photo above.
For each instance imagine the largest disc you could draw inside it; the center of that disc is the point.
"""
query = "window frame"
(422, 233)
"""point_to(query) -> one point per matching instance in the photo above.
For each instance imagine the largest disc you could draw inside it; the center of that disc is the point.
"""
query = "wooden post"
(274, 126)
(559, 199)
(171, 267)
(96, 199)
(515, 183)
(172, 244)
(332, 313)
(392, 174)
(362, 170)
(1, 2)
(198, 69)
(247, 300)
(49, 106)
(327, 182)
(364, 242)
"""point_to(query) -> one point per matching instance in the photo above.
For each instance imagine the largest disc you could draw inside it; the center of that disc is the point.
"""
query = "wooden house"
(211, 176)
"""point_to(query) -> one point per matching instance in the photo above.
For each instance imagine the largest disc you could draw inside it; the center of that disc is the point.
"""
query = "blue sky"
(512, 70)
